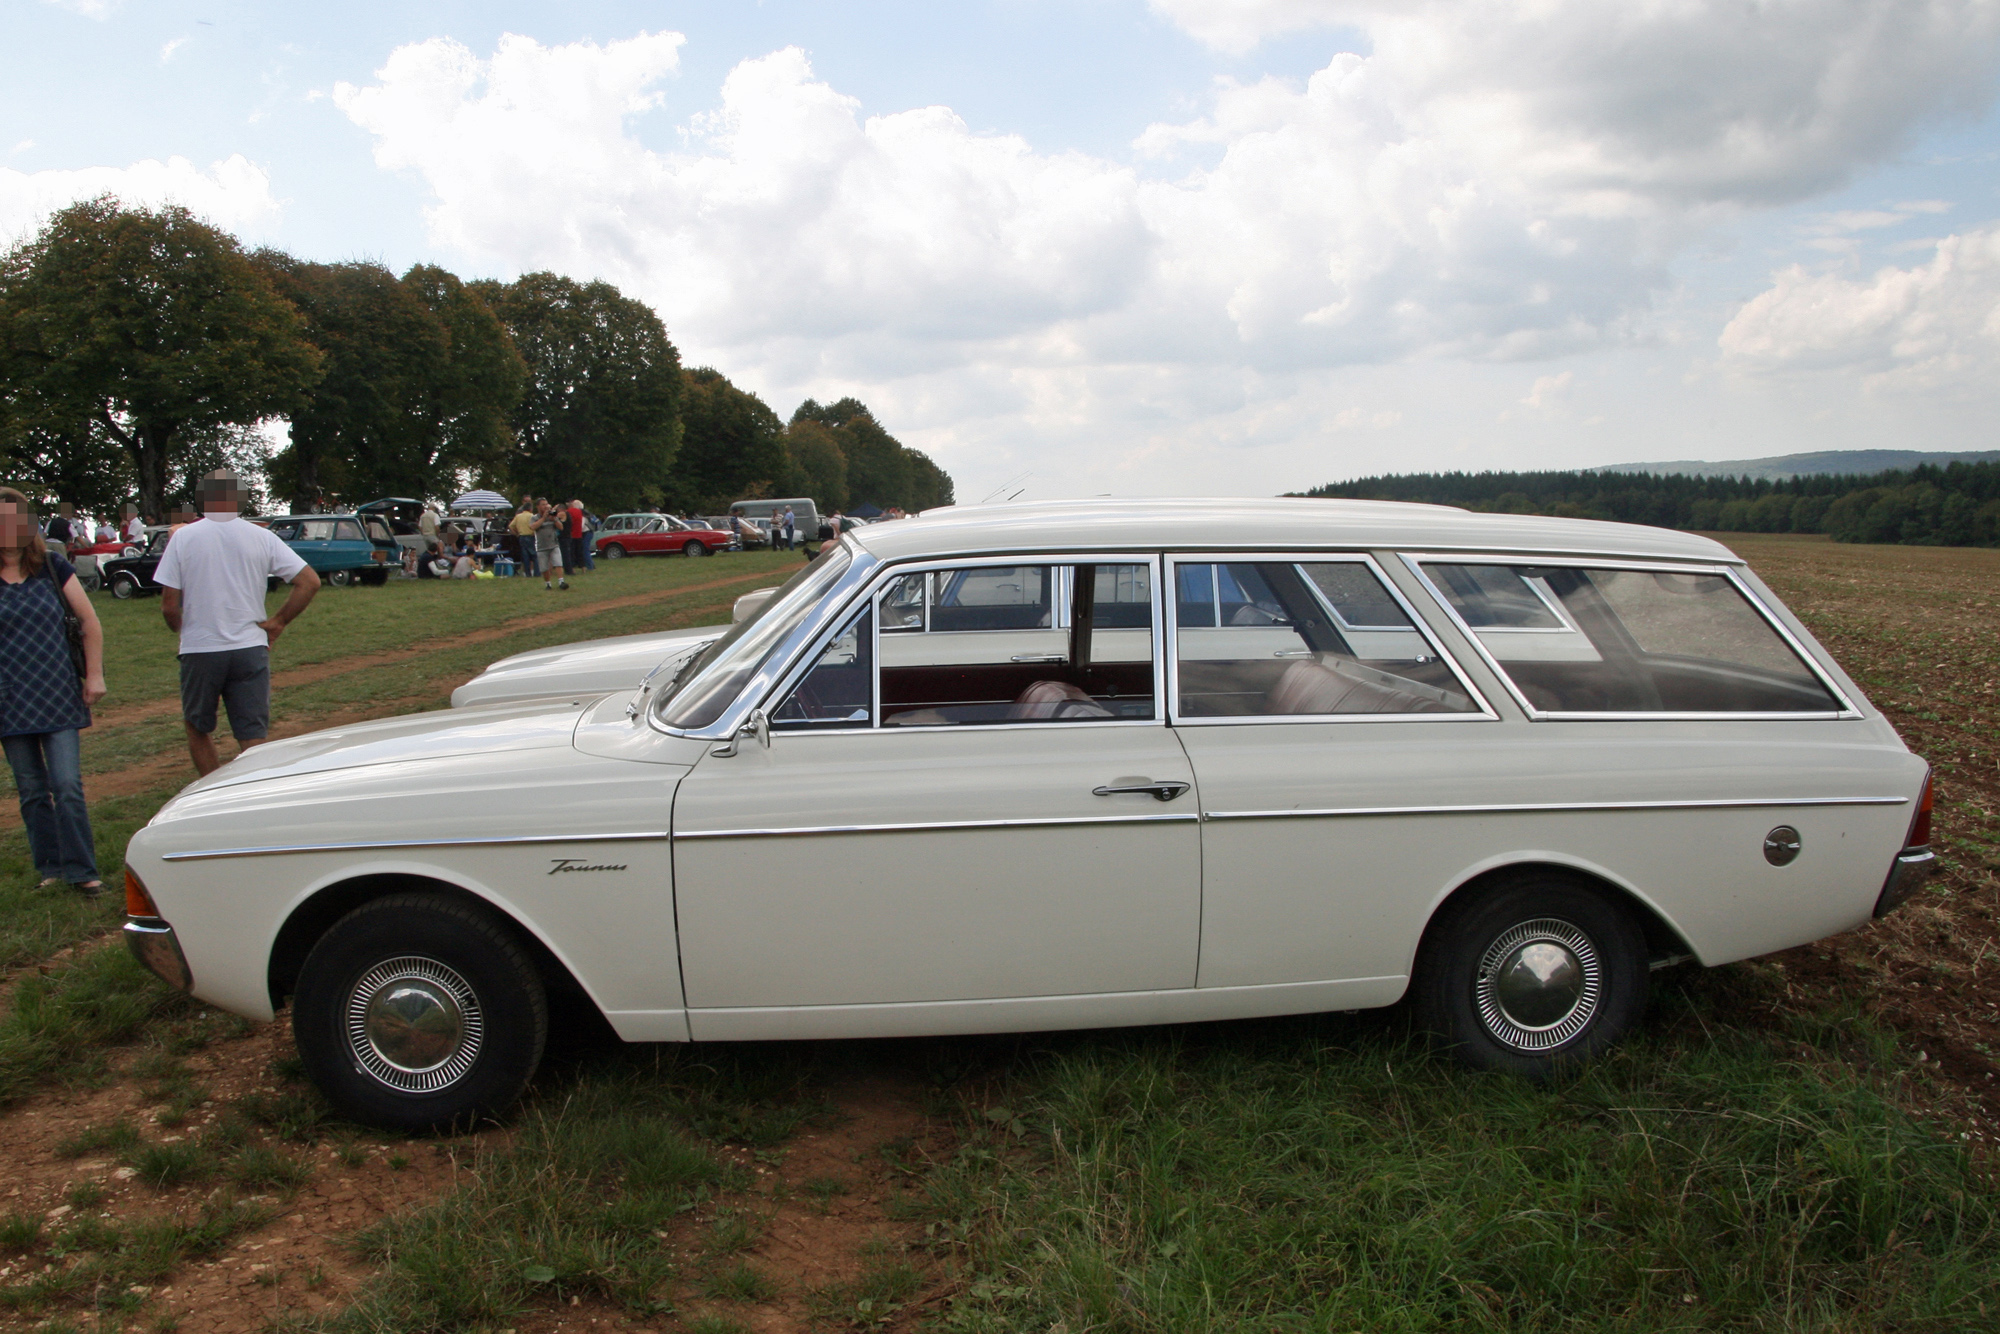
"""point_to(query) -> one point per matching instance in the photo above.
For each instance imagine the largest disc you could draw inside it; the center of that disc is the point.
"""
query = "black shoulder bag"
(72, 623)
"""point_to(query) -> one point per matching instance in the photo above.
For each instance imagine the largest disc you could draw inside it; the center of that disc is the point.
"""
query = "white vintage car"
(1501, 765)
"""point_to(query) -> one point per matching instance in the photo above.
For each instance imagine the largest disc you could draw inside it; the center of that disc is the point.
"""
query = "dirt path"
(332, 667)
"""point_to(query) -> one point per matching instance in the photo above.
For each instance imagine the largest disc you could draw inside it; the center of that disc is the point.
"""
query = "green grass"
(62, 1022)
(96, 1263)
(1321, 1175)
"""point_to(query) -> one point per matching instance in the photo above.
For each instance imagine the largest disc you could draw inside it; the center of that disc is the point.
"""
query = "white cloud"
(1492, 181)
(233, 193)
(1921, 328)
(1547, 390)
(172, 45)
(90, 9)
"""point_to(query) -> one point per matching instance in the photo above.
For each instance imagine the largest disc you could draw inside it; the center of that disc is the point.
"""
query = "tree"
(879, 468)
(599, 415)
(379, 345)
(151, 324)
(732, 446)
(420, 379)
(815, 465)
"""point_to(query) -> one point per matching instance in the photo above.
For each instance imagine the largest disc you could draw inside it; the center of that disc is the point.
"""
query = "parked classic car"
(661, 534)
(343, 549)
(1501, 765)
(130, 576)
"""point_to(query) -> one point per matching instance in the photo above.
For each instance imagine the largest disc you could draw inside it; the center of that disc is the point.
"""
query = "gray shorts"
(240, 678)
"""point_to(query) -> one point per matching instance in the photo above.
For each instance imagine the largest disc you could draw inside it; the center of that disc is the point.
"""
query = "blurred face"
(16, 523)
(226, 499)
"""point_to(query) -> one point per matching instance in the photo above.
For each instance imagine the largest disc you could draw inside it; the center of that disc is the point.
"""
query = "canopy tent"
(482, 500)
(865, 511)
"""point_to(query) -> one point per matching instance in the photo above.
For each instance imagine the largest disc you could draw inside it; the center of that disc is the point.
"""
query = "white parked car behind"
(1500, 765)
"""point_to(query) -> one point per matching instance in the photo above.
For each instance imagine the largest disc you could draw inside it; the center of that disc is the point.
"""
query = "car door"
(923, 835)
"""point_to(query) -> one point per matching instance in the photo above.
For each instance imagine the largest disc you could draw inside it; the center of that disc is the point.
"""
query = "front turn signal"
(138, 903)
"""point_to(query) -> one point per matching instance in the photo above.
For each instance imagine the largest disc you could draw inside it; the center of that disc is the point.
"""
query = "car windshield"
(703, 688)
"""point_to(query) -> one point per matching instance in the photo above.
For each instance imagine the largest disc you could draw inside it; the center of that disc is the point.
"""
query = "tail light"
(1920, 827)
(138, 903)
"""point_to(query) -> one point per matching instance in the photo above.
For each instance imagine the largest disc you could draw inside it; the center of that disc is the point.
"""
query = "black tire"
(375, 578)
(125, 586)
(341, 578)
(692, 548)
(1580, 988)
(611, 551)
(423, 947)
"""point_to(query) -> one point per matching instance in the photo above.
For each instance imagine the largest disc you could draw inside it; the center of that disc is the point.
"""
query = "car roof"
(1265, 525)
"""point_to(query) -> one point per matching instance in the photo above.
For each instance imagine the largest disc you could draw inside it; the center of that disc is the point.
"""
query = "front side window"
(1608, 640)
(1005, 644)
(1263, 639)
(839, 690)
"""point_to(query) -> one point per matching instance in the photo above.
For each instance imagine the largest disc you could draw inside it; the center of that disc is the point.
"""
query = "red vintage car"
(662, 536)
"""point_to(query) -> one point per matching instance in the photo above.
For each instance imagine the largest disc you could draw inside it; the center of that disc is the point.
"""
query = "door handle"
(1291, 653)
(1160, 791)
(1040, 657)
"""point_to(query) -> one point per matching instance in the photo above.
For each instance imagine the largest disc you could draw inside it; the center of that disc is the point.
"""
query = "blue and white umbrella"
(482, 500)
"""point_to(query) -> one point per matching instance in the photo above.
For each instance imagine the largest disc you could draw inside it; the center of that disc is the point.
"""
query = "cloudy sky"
(1141, 247)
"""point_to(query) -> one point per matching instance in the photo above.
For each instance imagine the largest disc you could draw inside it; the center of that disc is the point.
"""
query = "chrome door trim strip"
(800, 831)
(1546, 806)
(391, 844)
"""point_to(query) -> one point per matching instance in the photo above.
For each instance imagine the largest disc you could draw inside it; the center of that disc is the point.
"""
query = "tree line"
(1957, 505)
(140, 348)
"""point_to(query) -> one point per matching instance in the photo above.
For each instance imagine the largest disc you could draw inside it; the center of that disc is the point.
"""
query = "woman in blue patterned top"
(42, 704)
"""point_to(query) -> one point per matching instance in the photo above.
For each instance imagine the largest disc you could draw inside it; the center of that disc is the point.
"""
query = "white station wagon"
(1062, 766)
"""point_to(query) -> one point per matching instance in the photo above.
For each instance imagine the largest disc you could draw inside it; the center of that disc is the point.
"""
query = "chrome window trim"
(1418, 625)
(804, 831)
(1544, 807)
(211, 854)
(1415, 561)
(886, 575)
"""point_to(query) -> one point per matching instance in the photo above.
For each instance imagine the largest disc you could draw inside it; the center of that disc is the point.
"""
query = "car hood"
(595, 666)
(444, 734)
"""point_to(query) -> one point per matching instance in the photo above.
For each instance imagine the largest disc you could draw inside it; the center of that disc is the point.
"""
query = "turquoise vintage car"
(342, 549)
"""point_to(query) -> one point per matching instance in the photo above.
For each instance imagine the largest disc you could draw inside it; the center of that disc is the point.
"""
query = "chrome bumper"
(154, 945)
(1913, 867)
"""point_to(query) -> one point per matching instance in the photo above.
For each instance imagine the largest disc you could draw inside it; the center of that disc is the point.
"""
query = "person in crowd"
(522, 530)
(791, 529)
(550, 523)
(427, 523)
(105, 533)
(590, 526)
(213, 578)
(573, 530)
(43, 705)
(135, 526)
(464, 565)
(60, 532)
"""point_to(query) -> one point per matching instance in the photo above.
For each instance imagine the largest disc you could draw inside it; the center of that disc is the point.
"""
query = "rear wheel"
(417, 1012)
(125, 586)
(612, 551)
(692, 549)
(375, 578)
(341, 578)
(1531, 976)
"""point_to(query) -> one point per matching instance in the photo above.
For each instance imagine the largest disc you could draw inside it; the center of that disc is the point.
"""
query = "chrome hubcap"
(414, 1024)
(1538, 985)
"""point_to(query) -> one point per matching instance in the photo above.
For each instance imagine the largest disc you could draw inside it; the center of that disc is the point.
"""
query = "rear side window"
(1577, 640)
(1269, 639)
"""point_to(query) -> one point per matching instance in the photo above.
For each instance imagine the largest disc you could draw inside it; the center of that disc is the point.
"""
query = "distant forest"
(1953, 506)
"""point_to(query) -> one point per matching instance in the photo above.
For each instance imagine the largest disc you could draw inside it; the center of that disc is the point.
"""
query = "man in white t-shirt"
(213, 578)
(135, 527)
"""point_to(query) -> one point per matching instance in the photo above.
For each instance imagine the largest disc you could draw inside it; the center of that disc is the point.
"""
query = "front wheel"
(417, 1012)
(124, 586)
(611, 551)
(1531, 976)
(693, 549)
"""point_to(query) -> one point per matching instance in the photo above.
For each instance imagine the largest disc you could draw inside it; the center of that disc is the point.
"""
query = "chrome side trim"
(1544, 806)
(800, 831)
(285, 849)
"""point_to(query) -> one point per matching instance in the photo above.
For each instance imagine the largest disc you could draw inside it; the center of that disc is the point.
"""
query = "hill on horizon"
(1851, 462)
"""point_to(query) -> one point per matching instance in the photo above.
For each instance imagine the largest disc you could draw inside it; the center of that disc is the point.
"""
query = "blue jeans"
(48, 771)
(589, 544)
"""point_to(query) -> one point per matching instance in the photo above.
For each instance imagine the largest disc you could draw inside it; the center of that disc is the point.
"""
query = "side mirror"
(758, 724)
